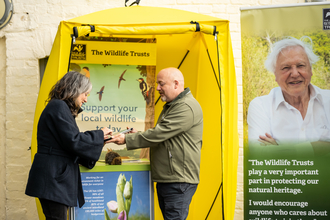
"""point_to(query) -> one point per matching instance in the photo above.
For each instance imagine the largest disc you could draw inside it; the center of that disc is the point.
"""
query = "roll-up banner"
(286, 108)
(122, 71)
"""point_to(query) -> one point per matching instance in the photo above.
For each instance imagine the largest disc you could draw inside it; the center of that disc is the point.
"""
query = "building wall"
(2, 127)
(29, 37)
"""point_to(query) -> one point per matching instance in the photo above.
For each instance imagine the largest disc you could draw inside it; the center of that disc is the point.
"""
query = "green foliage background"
(257, 81)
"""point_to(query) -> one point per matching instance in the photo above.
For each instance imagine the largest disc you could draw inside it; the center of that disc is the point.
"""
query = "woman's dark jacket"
(55, 174)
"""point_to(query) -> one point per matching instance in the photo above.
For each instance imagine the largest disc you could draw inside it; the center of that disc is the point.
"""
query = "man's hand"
(118, 139)
(267, 140)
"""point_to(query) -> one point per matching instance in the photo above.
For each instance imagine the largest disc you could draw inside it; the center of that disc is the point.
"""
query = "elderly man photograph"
(296, 112)
(175, 145)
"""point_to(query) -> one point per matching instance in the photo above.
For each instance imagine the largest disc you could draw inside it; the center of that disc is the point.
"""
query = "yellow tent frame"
(204, 43)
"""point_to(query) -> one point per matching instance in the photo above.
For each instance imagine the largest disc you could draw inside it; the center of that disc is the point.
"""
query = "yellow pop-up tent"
(200, 46)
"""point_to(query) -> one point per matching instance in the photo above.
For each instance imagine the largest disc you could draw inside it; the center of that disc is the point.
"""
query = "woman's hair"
(279, 46)
(68, 88)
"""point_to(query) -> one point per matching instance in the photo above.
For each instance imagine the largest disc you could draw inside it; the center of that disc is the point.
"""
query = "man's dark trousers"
(174, 199)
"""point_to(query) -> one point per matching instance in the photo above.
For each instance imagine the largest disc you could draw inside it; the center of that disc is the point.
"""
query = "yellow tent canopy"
(200, 45)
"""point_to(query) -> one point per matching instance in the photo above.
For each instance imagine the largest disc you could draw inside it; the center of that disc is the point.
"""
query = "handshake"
(118, 139)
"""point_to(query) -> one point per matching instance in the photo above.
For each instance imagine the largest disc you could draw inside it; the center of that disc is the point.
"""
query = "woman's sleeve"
(178, 120)
(87, 145)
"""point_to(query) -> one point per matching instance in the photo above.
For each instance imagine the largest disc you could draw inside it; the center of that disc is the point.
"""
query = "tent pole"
(221, 120)
(208, 54)
(72, 42)
(183, 59)
(219, 72)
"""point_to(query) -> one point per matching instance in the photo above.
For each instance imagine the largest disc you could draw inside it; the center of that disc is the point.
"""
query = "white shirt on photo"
(272, 114)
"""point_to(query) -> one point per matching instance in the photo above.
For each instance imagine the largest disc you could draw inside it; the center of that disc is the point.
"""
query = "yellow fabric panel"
(204, 87)
(199, 78)
(208, 95)
(230, 114)
(220, 119)
(140, 15)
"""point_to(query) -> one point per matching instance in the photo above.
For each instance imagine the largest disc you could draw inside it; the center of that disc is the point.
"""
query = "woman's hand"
(106, 132)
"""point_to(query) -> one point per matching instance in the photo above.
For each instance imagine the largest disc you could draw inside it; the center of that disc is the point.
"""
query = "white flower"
(121, 182)
(112, 206)
(127, 190)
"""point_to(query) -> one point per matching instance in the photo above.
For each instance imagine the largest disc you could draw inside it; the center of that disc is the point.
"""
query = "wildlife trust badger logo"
(326, 18)
(78, 52)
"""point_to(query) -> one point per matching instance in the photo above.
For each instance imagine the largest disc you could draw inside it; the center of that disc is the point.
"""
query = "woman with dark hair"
(54, 176)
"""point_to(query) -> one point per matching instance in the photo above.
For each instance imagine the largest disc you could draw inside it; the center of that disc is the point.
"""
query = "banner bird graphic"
(100, 93)
(121, 78)
(85, 71)
(328, 14)
(145, 90)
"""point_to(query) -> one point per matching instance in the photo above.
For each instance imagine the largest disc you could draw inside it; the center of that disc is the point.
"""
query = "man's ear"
(176, 84)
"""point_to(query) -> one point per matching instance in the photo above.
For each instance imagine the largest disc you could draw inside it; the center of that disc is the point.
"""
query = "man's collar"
(183, 93)
(279, 98)
(316, 93)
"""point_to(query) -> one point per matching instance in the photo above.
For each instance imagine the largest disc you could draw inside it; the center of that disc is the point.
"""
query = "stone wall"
(2, 128)
(29, 37)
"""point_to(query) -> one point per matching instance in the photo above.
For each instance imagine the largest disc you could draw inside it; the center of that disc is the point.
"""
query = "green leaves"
(106, 216)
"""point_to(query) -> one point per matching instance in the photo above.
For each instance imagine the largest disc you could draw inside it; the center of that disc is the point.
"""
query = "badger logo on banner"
(326, 18)
(79, 52)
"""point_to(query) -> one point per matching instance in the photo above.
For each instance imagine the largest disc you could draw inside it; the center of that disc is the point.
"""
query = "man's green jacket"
(175, 142)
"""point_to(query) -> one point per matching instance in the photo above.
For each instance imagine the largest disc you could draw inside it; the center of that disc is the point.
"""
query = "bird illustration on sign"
(145, 90)
(328, 14)
(85, 71)
(121, 78)
(100, 93)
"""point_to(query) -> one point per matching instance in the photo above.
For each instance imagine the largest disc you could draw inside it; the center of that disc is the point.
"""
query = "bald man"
(175, 145)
